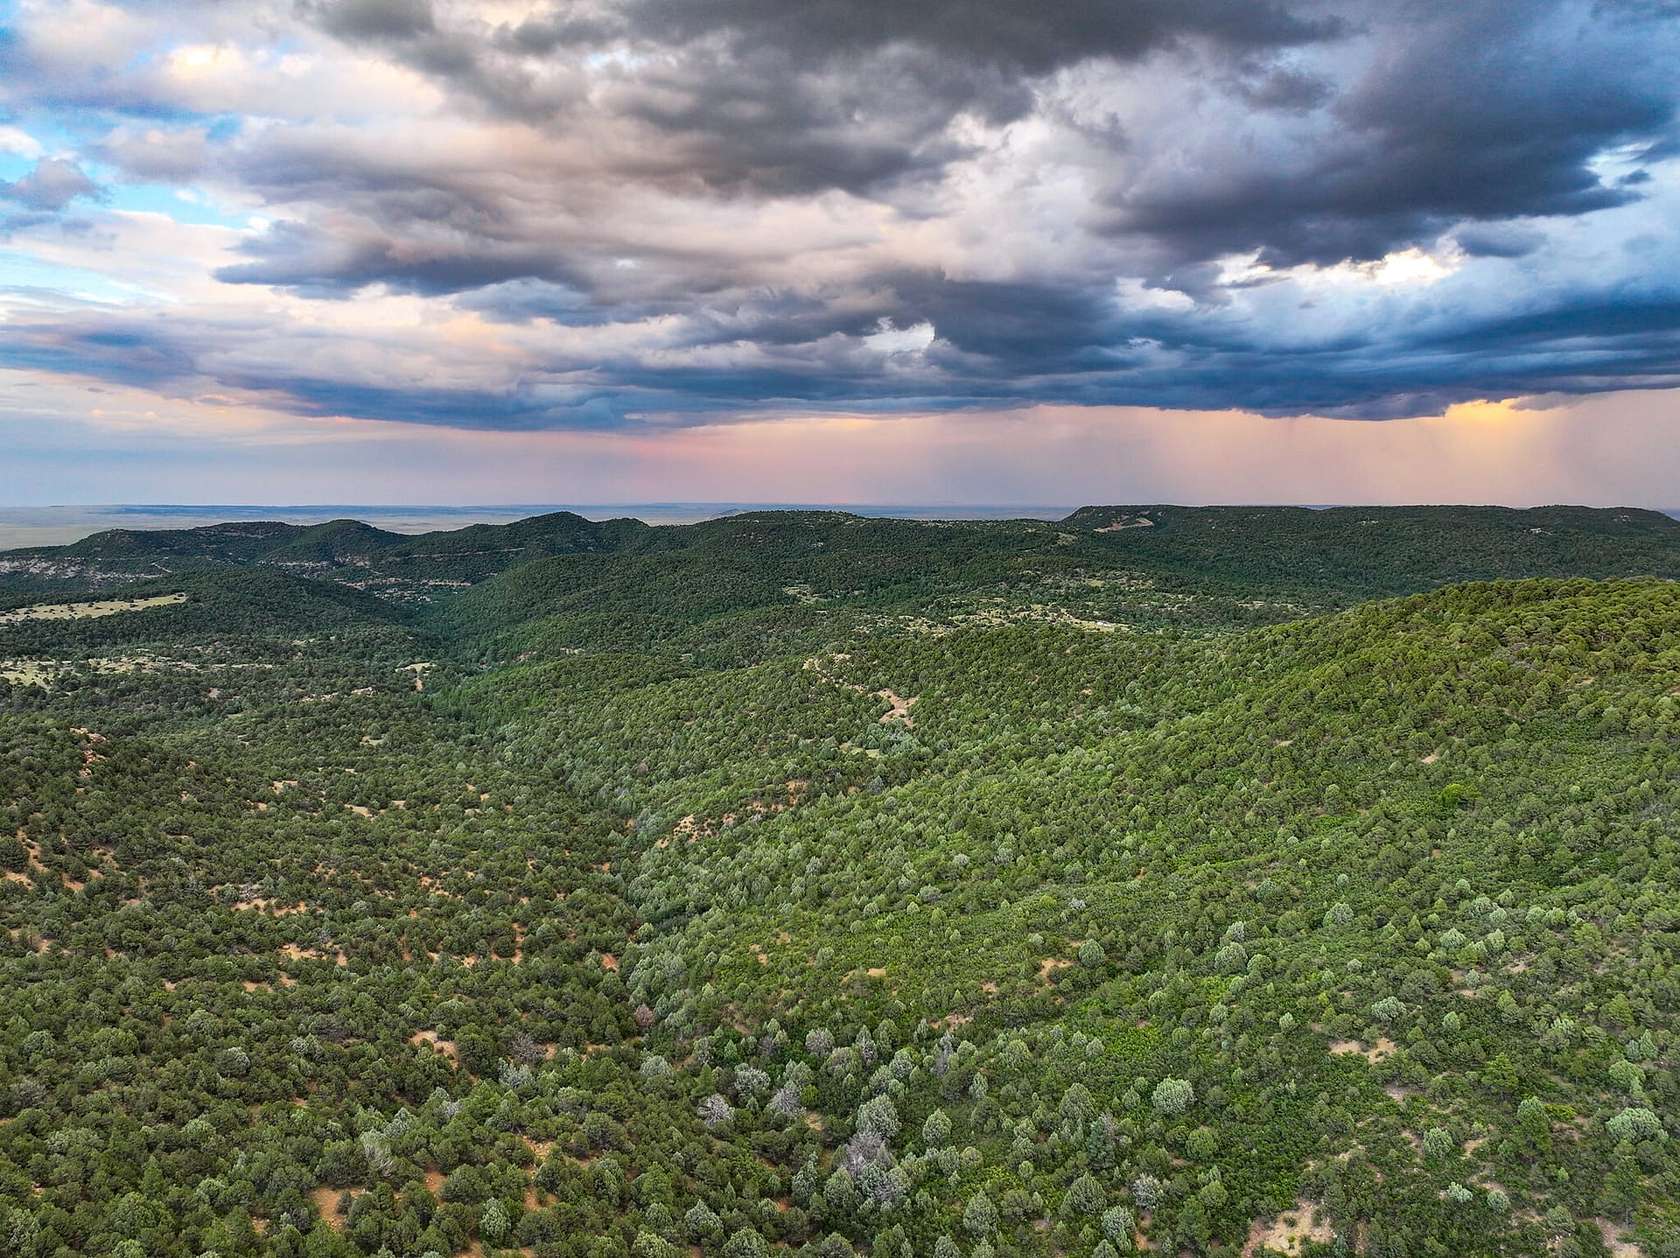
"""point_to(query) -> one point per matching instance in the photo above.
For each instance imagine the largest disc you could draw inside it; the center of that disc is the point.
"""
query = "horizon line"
(767, 505)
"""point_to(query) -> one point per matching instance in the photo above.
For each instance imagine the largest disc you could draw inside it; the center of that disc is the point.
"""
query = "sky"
(428, 251)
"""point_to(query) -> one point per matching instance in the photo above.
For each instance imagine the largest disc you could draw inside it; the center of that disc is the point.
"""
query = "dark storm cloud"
(1481, 111)
(1000, 345)
(697, 208)
(317, 263)
(109, 348)
(749, 123)
(1024, 39)
(372, 19)
(529, 297)
(765, 96)
(1282, 88)
(1498, 240)
(173, 359)
(1484, 112)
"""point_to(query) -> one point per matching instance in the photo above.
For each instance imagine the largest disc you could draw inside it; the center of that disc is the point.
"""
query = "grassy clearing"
(88, 611)
(28, 672)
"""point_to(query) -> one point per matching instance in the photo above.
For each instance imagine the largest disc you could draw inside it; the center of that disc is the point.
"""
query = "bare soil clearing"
(1613, 1241)
(900, 710)
(443, 1046)
(259, 904)
(1372, 1053)
(1287, 1233)
(326, 1203)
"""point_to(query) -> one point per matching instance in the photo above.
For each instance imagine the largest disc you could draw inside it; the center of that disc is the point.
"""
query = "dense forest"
(1187, 881)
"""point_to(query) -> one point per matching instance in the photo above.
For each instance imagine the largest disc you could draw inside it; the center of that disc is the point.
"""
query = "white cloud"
(19, 142)
(893, 341)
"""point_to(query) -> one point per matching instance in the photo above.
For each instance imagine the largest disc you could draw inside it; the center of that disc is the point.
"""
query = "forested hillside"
(1321, 558)
(1208, 881)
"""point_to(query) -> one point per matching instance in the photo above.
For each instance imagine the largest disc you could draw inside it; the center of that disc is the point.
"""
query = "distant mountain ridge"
(335, 541)
(662, 579)
(347, 539)
(337, 549)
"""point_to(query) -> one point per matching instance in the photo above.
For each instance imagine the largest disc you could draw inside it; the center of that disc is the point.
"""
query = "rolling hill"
(1244, 881)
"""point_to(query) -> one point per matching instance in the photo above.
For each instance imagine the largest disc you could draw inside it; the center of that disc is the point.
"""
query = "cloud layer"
(602, 214)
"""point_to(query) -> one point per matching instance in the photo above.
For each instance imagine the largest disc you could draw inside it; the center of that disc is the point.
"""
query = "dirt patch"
(326, 1204)
(608, 961)
(88, 611)
(295, 953)
(1048, 967)
(259, 905)
(1287, 1233)
(33, 865)
(1612, 1236)
(899, 713)
(1373, 1053)
(431, 1040)
(688, 830)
